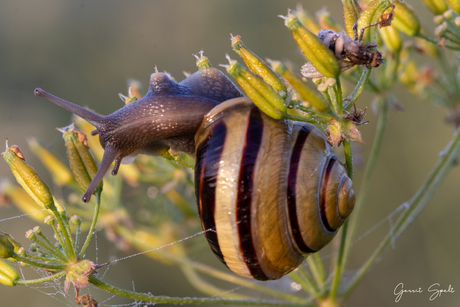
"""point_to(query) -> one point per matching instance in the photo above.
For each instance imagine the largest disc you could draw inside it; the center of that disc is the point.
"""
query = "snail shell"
(273, 192)
(270, 191)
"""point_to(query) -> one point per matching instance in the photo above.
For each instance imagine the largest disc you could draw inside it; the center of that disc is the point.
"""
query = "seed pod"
(16, 244)
(260, 92)
(6, 247)
(80, 159)
(454, 5)
(257, 65)
(405, 19)
(391, 38)
(371, 15)
(318, 54)
(8, 275)
(436, 6)
(27, 177)
(305, 92)
(351, 12)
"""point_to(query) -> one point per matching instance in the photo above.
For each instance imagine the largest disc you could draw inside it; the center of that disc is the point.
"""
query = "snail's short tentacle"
(116, 166)
(110, 154)
(91, 117)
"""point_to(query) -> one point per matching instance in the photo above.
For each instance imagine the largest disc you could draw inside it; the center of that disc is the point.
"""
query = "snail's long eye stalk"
(91, 117)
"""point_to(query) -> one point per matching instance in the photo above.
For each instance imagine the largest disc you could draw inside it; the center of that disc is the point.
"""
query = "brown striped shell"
(272, 192)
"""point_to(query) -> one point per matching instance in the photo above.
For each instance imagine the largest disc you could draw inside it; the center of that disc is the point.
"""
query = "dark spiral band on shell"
(271, 193)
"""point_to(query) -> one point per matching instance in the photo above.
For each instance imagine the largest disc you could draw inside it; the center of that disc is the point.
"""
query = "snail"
(271, 191)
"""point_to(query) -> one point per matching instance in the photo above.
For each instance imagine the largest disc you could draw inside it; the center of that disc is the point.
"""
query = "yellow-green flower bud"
(6, 247)
(436, 6)
(81, 161)
(391, 37)
(16, 244)
(305, 93)
(257, 65)
(27, 177)
(21, 251)
(8, 275)
(457, 21)
(454, 5)
(448, 14)
(75, 220)
(405, 19)
(260, 92)
(50, 220)
(31, 235)
(307, 19)
(202, 61)
(313, 48)
(326, 21)
(371, 15)
(127, 99)
(351, 12)
(61, 174)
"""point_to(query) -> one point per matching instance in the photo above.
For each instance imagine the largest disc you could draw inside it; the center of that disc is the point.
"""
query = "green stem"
(333, 98)
(348, 158)
(39, 264)
(308, 285)
(314, 271)
(306, 119)
(341, 259)
(50, 247)
(77, 235)
(60, 238)
(40, 280)
(338, 95)
(358, 90)
(97, 208)
(188, 300)
(378, 139)
(206, 287)
(433, 41)
(46, 259)
(417, 203)
(66, 234)
(320, 266)
(209, 270)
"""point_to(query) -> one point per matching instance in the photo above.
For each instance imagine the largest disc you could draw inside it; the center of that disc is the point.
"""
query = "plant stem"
(340, 263)
(50, 247)
(189, 300)
(39, 264)
(40, 280)
(97, 208)
(358, 90)
(375, 150)
(416, 204)
(306, 119)
(207, 269)
(433, 41)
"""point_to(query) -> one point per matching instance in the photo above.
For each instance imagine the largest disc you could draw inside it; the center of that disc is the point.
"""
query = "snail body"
(271, 191)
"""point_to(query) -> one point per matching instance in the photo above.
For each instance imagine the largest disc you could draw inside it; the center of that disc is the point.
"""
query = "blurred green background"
(85, 51)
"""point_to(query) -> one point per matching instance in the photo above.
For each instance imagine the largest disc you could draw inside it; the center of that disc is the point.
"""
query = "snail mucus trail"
(272, 190)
